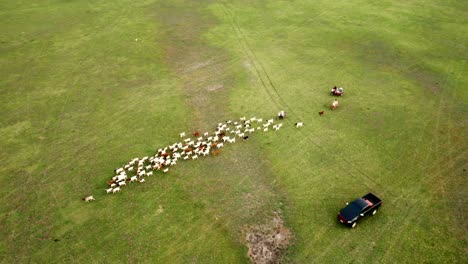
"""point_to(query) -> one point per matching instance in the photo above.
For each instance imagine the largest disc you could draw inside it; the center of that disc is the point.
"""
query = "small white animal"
(142, 180)
(88, 198)
(122, 183)
(116, 190)
(182, 134)
(300, 124)
(109, 190)
(166, 170)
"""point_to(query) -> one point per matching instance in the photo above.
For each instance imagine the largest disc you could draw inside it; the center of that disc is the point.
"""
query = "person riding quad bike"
(337, 91)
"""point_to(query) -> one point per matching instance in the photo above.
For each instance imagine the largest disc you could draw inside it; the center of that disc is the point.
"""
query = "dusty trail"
(206, 75)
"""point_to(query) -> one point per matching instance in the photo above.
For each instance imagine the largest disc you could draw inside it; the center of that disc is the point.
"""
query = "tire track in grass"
(411, 207)
(359, 174)
(415, 190)
(247, 50)
(448, 147)
(442, 102)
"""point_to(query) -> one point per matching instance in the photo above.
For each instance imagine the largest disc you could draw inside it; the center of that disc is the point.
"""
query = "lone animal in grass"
(334, 105)
(321, 113)
(88, 198)
(299, 124)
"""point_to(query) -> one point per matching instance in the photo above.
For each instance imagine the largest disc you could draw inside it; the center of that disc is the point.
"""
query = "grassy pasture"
(81, 97)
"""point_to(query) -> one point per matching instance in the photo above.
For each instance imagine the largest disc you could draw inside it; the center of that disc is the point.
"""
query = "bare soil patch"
(266, 243)
(214, 87)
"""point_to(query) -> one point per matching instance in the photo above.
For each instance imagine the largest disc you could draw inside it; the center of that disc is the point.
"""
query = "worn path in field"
(207, 73)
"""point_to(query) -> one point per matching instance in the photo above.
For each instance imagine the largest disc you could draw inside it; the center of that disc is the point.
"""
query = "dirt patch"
(266, 243)
(198, 65)
(214, 87)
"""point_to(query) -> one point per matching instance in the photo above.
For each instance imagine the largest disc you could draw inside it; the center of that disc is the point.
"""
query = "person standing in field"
(281, 114)
(334, 105)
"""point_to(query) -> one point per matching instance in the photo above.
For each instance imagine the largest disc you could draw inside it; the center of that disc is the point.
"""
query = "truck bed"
(372, 199)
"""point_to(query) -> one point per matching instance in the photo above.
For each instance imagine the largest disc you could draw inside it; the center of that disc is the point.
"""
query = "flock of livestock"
(189, 148)
(199, 146)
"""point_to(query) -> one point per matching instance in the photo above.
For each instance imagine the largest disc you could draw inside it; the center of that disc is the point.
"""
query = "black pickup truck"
(359, 208)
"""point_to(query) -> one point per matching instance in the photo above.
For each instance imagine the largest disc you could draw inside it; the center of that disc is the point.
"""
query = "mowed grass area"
(81, 97)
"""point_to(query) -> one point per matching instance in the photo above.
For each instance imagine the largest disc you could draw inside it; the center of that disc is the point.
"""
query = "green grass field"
(80, 97)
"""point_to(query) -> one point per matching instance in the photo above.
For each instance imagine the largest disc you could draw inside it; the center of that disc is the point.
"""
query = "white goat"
(88, 198)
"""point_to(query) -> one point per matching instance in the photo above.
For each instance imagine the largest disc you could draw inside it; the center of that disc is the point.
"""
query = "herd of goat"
(189, 148)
